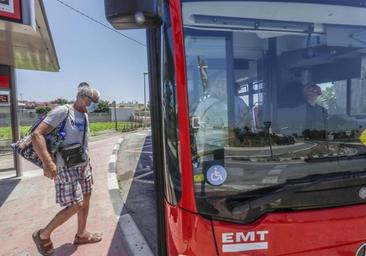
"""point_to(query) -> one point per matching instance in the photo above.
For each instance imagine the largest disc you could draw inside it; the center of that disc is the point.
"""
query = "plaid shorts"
(72, 183)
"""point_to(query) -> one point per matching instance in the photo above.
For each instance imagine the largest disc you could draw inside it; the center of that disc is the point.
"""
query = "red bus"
(258, 117)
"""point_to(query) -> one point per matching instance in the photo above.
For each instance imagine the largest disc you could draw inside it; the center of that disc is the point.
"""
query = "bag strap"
(65, 119)
(36, 124)
(85, 126)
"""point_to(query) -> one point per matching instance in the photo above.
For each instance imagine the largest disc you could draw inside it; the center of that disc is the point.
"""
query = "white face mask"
(92, 107)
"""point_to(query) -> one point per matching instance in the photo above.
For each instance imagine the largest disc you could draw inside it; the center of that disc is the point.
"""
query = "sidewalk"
(28, 203)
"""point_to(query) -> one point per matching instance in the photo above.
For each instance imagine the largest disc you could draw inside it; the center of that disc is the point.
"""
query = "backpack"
(24, 146)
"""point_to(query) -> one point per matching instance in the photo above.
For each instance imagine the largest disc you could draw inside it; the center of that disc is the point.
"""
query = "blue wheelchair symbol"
(216, 175)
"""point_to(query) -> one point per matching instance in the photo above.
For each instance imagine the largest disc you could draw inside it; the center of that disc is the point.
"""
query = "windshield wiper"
(257, 198)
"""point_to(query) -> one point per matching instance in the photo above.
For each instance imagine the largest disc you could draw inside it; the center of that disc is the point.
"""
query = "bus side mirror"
(133, 14)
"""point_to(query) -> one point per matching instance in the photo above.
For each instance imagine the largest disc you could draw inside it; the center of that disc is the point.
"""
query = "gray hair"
(84, 90)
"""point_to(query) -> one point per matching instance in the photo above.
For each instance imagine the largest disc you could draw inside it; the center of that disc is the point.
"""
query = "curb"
(136, 242)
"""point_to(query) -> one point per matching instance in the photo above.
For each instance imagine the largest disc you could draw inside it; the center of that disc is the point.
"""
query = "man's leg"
(82, 235)
(60, 218)
(83, 215)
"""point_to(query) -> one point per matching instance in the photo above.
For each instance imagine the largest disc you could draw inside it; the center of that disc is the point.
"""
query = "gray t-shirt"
(75, 127)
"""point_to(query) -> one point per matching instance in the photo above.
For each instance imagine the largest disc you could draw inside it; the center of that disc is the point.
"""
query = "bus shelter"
(25, 43)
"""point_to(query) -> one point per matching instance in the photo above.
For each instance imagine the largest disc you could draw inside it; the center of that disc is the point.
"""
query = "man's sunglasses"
(90, 98)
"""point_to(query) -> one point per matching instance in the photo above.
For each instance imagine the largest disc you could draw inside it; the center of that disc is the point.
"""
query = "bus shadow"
(6, 187)
(140, 202)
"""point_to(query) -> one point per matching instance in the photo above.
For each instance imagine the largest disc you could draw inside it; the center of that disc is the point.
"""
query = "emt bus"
(258, 123)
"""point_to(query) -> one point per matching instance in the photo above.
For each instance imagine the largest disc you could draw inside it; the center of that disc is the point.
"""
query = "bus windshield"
(276, 93)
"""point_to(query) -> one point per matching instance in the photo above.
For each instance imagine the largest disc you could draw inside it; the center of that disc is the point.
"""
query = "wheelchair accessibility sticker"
(216, 175)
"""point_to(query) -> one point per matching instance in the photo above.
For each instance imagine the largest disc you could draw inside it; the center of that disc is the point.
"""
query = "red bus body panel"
(333, 231)
(188, 233)
(187, 201)
(324, 232)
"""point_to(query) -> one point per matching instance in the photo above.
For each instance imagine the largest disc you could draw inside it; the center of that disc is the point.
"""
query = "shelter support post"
(14, 119)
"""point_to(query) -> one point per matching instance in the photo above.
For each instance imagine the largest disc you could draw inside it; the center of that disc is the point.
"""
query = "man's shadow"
(65, 249)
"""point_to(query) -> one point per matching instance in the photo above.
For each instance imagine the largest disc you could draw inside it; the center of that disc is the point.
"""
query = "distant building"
(123, 114)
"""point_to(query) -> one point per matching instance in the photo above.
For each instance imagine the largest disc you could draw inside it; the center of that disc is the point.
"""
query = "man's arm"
(40, 147)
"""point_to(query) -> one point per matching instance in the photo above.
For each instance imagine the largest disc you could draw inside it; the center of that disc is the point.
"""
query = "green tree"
(103, 106)
(61, 101)
(42, 110)
(328, 99)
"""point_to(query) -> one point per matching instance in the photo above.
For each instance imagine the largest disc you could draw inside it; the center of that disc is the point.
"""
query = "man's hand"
(49, 170)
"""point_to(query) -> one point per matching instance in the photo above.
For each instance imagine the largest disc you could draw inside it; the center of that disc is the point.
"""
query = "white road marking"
(143, 175)
(139, 151)
(275, 172)
(134, 149)
(283, 166)
(270, 180)
(145, 181)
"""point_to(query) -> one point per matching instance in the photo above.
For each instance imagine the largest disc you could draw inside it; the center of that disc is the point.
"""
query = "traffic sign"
(10, 10)
(4, 81)
(4, 99)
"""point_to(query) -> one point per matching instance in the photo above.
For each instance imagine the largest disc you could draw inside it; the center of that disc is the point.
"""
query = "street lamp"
(267, 125)
(145, 73)
(115, 114)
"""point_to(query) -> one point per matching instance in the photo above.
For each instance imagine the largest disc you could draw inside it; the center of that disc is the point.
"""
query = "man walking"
(69, 168)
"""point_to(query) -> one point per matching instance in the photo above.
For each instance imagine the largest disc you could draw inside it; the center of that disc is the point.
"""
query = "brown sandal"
(91, 238)
(44, 246)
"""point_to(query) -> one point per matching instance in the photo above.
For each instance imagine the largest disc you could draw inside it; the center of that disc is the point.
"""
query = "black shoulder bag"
(74, 155)
(24, 147)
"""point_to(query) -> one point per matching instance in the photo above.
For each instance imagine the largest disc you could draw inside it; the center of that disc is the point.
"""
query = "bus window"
(173, 187)
(358, 103)
(270, 101)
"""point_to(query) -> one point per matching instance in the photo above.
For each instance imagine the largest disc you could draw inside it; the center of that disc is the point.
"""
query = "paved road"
(135, 175)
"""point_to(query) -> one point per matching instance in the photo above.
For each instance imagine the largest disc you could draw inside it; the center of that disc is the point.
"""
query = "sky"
(87, 52)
